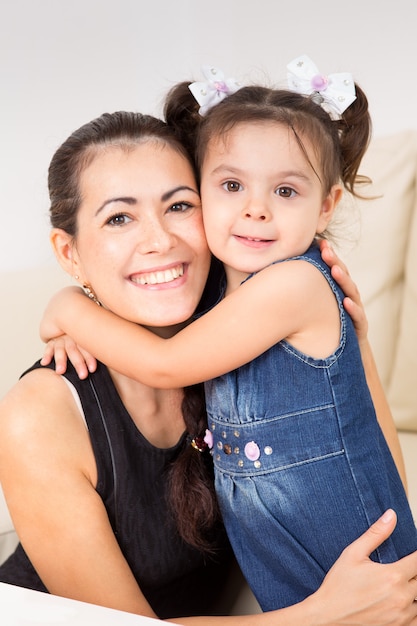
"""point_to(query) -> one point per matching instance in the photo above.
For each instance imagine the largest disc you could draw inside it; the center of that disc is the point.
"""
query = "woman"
(89, 503)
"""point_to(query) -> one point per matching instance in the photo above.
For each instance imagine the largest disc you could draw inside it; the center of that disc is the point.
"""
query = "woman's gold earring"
(90, 293)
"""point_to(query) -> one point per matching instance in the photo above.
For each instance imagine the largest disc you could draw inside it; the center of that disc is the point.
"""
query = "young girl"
(302, 465)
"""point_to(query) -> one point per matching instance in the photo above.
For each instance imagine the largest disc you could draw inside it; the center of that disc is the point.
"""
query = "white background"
(64, 62)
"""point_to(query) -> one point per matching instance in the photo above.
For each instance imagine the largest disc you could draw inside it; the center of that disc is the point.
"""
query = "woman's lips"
(159, 277)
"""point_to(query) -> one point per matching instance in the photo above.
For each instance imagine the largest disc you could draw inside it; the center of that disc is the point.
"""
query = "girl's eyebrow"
(225, 169)
(131, 200)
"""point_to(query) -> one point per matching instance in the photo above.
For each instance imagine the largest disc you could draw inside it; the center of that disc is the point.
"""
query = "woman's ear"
(328, 207)
(65, 251)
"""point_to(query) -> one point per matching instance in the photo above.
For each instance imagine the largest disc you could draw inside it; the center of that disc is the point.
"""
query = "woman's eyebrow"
(168, 194)
(131, 200)
(126, 199)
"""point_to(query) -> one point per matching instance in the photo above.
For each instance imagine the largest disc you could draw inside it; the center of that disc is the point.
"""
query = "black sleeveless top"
(176, 579)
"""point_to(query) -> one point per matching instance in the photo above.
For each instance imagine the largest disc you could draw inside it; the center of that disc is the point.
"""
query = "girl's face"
(140, 242)
(262, 201)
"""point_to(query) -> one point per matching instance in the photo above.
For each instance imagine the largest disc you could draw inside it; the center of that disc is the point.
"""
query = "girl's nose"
(257, 210)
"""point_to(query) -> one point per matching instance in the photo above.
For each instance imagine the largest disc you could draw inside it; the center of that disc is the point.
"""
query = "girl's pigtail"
(181, 114)
(354, 135)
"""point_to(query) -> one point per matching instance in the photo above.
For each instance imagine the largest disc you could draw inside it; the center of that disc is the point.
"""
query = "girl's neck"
(167, 331)
(234, 278)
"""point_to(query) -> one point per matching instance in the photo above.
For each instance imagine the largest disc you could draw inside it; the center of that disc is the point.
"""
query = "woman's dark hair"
(191, 487)
(339, 145)
(122, 129)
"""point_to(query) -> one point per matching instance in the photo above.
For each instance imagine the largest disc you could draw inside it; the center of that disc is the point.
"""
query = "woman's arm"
(382, 409)
(48, 474)
(355, 591)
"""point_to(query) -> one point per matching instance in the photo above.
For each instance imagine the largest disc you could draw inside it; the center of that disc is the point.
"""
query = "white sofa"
(384, 265)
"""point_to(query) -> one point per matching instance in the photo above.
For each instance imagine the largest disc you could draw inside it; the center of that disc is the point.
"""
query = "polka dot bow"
(214, 89)
(335, 92)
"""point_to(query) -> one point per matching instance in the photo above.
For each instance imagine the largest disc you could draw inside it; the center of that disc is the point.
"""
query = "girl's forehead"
(263, 144)
(258, 133)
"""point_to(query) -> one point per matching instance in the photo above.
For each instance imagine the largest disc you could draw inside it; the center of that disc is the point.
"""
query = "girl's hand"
(352, 302)
(60, 346)
(63, 348)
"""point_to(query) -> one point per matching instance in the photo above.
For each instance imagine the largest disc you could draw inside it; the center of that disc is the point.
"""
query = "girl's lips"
(253, 242)
(159, 277)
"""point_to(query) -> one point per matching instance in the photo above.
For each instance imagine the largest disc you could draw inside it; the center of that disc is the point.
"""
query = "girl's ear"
(65, 251)
(328, 207)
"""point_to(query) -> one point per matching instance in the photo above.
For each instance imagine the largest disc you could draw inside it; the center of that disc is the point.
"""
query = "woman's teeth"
(157, 278)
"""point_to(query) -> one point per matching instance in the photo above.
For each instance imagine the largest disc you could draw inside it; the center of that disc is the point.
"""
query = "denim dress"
(301, 465)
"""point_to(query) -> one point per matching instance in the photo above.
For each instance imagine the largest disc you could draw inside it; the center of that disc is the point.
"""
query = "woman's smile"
(162, 278)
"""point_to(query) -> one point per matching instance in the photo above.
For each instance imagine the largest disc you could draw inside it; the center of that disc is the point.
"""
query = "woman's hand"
(63, 348)
(352, 302)
(358, 591)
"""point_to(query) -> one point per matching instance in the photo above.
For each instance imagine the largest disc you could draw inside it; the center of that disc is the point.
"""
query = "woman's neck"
(156, 412)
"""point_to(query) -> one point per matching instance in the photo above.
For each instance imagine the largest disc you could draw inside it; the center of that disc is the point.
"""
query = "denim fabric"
(301, 465)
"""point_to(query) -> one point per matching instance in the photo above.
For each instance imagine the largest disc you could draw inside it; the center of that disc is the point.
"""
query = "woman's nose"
(155, 237)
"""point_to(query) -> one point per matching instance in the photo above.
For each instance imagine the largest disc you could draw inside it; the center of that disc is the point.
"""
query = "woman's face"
(140, 243)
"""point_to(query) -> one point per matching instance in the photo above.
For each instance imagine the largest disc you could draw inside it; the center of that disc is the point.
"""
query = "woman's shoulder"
(39, 409)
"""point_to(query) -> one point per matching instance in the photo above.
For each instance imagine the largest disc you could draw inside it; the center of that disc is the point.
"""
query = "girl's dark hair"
(339, 145)
(191, 487)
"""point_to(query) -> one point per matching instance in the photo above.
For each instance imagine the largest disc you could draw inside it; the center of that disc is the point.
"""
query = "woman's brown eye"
(118, 220)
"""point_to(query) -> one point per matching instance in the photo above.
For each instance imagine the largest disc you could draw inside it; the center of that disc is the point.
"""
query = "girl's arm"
(48, 476)
(221, 340)
(61, 346)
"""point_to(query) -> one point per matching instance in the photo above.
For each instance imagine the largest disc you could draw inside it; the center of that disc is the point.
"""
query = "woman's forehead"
(141, 158)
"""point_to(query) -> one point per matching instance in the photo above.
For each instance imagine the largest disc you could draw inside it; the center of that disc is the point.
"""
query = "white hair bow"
(214, 89)
(334, 92)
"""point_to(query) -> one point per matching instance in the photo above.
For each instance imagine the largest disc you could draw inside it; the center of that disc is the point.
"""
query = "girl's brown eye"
(232, 185)
(285, 192)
